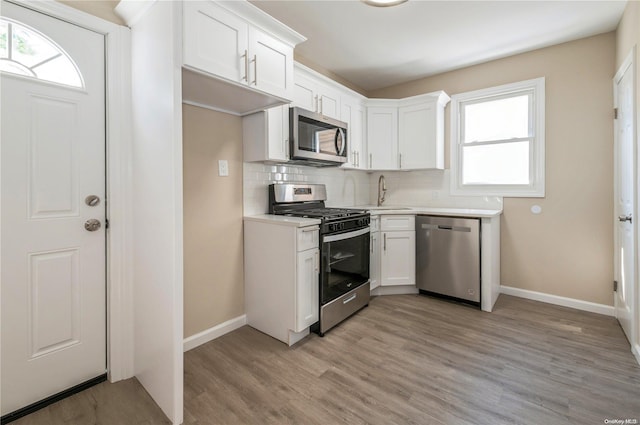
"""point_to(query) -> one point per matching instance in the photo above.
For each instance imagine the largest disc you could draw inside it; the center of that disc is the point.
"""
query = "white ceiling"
(378, 47)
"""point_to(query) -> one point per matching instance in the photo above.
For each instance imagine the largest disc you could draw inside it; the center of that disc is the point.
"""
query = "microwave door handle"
(339, 133)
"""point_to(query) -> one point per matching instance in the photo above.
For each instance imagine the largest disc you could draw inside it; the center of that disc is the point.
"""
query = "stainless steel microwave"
(316, 139)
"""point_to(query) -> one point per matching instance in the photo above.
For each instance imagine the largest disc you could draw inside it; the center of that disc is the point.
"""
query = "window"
(26, 52)
(497, 141)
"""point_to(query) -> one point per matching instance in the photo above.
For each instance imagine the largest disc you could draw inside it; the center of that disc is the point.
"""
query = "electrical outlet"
(223, 168)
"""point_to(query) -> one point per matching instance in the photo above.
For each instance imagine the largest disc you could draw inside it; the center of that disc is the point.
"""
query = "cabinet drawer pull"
(385, 241)
(351, 298)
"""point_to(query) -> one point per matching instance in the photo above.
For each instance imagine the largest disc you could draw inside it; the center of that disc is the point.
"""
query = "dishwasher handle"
(445, 227)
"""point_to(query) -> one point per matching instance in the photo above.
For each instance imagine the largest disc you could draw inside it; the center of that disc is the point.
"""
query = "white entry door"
(624, 94)
(53, 184)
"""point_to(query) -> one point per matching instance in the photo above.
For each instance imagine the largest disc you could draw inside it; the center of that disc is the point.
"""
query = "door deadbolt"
(92, 200)
(92, 225)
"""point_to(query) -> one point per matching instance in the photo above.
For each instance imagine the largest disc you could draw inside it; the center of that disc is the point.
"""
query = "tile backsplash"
(344, 187)
(426, 188)
(347, 188)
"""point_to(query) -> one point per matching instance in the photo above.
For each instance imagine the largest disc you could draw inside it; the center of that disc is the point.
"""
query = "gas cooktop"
(324, 212)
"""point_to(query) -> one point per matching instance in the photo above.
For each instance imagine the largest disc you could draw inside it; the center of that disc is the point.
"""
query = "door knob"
(92, 225)
(92, 200)
(624, 218)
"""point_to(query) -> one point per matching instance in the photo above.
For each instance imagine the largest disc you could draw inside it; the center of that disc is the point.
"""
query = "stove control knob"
(341, 226)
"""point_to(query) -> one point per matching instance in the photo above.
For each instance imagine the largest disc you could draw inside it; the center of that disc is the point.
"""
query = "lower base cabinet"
(398, 250)
(374, 258)
(281, 278)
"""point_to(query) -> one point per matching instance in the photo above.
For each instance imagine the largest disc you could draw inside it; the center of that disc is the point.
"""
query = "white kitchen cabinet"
(314, 95)
(282, 263)
(221, 43)
(374, 259)
(265, 135)
(307, 302)
(353, 113)
(398, 253)
(406, 134)
(421, 132)
(382, 137)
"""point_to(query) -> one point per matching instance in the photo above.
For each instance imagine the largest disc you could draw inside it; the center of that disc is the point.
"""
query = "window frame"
(536, 187)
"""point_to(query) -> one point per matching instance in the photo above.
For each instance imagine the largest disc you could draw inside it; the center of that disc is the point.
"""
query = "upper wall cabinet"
(382, 136)
(313, 95)
(249, 54)
(266, 133)
(421, 132)
(353, 113)
(406, 134)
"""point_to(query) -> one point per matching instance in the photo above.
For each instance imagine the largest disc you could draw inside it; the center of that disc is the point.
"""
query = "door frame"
(118, 140)
(629, 64)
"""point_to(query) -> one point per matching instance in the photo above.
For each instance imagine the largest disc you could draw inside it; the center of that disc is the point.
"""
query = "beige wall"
(213, 253)
(628, 33)
(101, 8)
(568, 249)
(324, 71)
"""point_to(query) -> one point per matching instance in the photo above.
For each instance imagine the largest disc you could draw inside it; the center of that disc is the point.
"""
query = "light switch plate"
(223, 168)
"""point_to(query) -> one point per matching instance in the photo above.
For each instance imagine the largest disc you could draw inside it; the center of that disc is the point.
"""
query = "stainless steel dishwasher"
(448, 257)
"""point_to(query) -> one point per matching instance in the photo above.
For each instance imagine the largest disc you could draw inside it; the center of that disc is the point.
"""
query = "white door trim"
(120, 342)
(629, 63)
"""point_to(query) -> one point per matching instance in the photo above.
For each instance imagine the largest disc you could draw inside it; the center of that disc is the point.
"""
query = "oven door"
(345, 263)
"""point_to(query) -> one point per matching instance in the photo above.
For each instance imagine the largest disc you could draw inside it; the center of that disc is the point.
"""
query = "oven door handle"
(348, 235)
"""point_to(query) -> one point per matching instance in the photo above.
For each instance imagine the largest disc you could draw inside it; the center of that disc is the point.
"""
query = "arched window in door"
(24, 51)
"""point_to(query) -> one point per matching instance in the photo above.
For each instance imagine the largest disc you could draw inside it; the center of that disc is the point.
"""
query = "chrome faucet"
(382, 189)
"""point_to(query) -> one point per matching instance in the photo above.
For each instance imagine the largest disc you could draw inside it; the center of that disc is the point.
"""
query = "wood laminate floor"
(405, 359)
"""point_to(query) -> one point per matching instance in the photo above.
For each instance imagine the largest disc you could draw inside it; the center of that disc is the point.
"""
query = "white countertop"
(454, 212)
(284, 220)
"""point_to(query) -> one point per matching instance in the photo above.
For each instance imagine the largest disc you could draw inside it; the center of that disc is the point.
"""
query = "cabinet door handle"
(400, 159)
(255, 70)
(317, 261)
(370, 161)
(315, 106)
(358, 159)
(320, 103)
(246, 66)
(385, 241)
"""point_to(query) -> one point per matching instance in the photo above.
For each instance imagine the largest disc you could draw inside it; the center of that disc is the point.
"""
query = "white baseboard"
(607, 310)
(395, 290)
(215, 332)
(636, 352)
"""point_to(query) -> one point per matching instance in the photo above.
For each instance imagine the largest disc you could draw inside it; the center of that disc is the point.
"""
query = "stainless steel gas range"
(344, 249)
